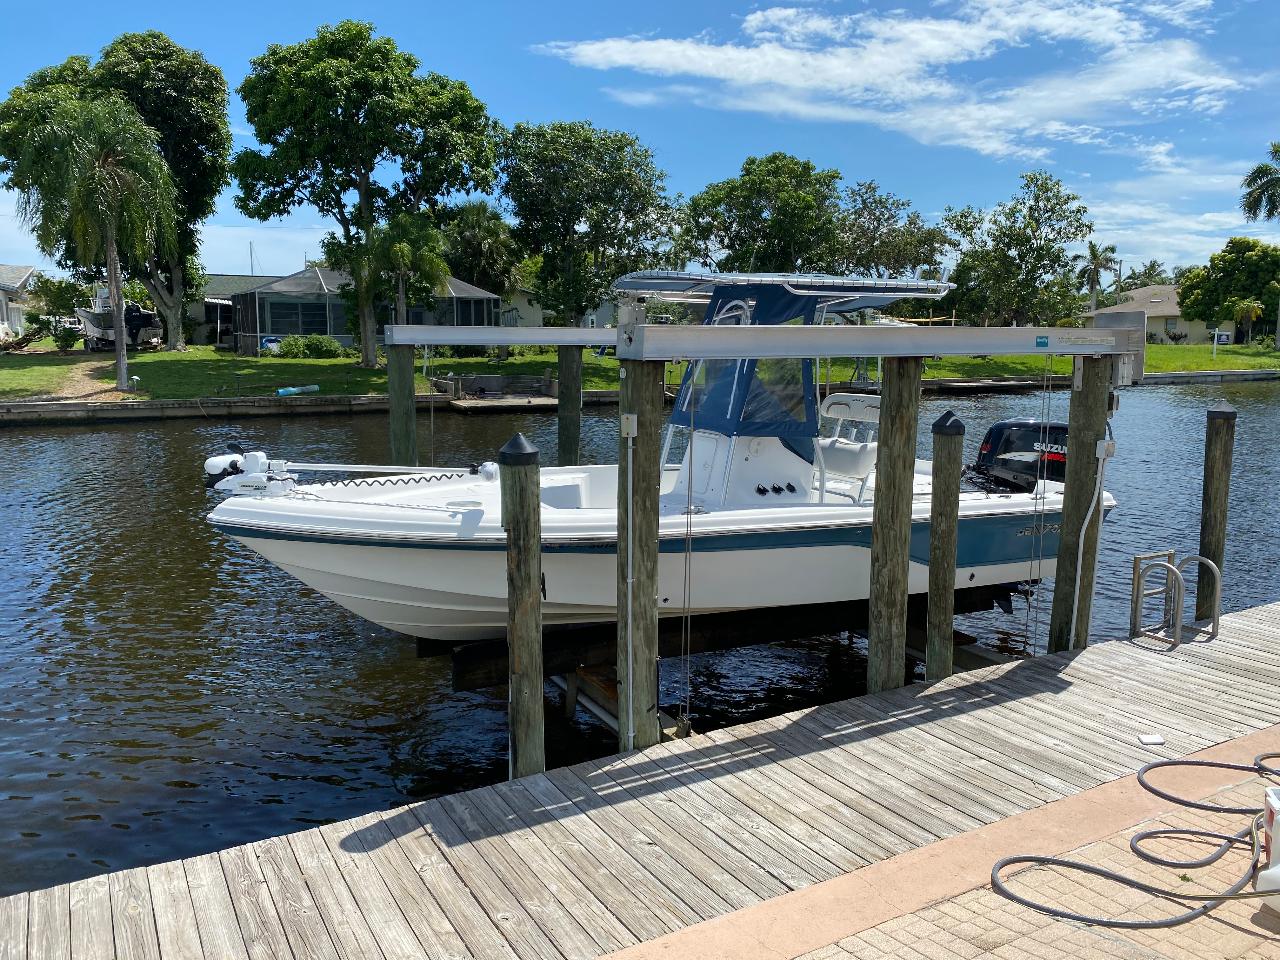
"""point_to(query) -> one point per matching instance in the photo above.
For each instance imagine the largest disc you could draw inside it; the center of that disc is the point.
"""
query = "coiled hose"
(1246, 837)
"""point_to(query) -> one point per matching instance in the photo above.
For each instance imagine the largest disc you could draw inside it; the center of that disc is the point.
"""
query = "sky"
(1150, 110)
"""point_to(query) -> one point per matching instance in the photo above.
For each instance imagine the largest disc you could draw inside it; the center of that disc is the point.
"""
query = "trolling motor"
(217, 469)
(241, 473)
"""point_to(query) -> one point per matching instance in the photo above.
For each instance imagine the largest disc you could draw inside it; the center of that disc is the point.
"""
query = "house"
(1160, 301)
(214, 313)
(521, 310)
(13, 295)
(249, 310)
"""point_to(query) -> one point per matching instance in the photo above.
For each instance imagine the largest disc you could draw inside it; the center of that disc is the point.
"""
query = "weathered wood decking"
(591, 858)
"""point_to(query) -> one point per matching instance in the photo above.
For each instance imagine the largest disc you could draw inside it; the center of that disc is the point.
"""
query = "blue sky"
(1150, 109)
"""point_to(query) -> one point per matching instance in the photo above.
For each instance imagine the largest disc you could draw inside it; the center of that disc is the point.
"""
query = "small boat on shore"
(142, 327)
(767, 501)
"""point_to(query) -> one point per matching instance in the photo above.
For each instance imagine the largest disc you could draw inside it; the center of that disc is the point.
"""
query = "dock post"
(401, 405)
(891, 523)
(639, 477)
(1219, 444)
(569, 405)
(522, 519)
(1086, 427)
(944, 515)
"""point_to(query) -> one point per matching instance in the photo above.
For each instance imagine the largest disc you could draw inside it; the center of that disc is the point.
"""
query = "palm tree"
(1092, 265)
(1245, 312)
(480, 247)
(1262, 188)
(408, 252)
(93, 185)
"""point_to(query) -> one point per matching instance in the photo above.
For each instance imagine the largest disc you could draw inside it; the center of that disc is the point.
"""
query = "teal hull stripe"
(982, 540)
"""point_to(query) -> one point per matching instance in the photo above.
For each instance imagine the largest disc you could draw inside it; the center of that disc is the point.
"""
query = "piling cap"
(948, 425)
(518, 452)
(1222, 411)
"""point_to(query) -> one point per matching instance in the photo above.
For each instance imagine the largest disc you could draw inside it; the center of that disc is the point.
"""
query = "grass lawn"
(202, 372)
(36, 374)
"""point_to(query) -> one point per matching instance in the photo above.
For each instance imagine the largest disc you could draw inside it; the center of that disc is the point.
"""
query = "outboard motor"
(1019, 453)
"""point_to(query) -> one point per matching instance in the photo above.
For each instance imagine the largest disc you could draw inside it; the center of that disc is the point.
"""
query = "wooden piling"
(522, 519)
(639, 477)
(1219, 444)
(569, 405)
(401, 405)
(891, 523)
(948, 462)
(1086, 427)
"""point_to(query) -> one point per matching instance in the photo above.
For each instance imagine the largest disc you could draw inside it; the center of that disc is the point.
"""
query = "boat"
(766, 497)
(142, 327)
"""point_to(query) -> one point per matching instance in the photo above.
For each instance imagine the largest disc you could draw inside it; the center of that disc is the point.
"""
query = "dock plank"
(215, 915)
(49, 923)
(603, 854)
(133, 916)
(176, 928)
(91, 934)
(13, 926)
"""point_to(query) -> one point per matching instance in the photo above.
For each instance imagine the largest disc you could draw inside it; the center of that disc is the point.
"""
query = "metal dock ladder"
(1174, 591)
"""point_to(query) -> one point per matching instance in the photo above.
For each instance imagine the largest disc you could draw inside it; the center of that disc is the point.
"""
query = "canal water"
(164, 694)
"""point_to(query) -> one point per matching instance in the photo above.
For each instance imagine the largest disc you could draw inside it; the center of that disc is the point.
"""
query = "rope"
(1247, 837)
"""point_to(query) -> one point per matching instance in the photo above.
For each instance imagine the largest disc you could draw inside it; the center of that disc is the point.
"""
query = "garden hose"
(1247, 837)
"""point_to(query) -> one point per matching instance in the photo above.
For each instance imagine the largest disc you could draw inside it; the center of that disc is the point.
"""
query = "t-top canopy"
(841, 293)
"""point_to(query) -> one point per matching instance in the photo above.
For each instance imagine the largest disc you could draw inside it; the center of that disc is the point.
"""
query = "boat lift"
(1107, 355)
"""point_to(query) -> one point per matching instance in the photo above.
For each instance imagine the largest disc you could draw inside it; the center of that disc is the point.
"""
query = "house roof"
(1159, 300)
(462, 290)
(219, 286)
(13, 278)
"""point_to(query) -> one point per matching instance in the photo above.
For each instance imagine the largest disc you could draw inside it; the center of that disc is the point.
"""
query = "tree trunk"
(361, 275)
(117, 312)
(368, 323)
(1093, 298)
(170, 298)
(402, 308)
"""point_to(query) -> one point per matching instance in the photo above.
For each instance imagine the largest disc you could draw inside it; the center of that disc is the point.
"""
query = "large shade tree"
(349, 127)
(780, 214)
(92, 184)
(1245, 270)
(881, 236)
(1013, 266)
(591, 202)
(1261, 185)
(183, 98)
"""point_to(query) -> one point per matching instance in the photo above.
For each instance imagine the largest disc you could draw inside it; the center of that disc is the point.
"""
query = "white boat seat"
(847, 458)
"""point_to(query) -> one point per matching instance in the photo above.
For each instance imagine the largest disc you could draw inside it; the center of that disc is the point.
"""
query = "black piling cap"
(518, 452)
(948, 425)
(1222, 411)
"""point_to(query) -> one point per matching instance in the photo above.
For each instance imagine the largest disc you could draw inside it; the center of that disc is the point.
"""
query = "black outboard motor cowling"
(1018, 453)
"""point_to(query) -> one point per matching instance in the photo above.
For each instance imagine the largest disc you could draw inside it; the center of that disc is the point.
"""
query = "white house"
(521, 310)
(13, 295)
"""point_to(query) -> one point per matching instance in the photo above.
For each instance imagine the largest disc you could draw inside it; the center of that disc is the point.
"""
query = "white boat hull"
(457, 593)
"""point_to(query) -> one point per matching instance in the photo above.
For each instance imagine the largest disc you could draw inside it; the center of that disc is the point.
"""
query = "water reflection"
(164, 694)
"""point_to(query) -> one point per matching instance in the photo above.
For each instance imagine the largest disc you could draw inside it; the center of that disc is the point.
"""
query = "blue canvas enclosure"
(752, 398)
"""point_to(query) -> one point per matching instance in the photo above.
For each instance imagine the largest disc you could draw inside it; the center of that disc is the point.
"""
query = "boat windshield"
(755, 398)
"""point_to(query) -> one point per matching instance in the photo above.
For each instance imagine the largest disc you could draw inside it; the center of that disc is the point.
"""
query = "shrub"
(1266, 341)
(312, 347)
(1176, 336)
(64, 338)
(1153, 337)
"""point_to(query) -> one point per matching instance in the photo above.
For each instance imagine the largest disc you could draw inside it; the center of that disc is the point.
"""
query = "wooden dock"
(592, 858)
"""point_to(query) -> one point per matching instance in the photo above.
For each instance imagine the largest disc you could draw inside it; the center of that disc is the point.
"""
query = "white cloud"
(908, 73)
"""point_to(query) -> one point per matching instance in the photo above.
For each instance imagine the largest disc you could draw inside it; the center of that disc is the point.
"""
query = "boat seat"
(847, 458)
